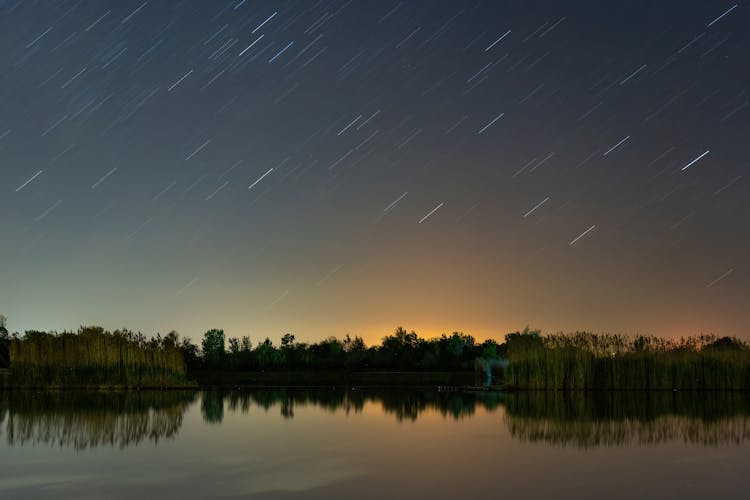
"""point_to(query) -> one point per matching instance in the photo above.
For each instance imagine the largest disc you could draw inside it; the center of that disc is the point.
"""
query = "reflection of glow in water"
(88, 420)
(403, 404)
(627, 432)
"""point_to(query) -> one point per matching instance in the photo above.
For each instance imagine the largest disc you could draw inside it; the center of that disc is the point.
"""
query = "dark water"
(373, 444)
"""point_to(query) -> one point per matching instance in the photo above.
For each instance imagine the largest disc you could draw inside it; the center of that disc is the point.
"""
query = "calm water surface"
(370, 444)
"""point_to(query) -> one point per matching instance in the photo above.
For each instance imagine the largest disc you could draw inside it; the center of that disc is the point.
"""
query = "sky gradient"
(330, 168)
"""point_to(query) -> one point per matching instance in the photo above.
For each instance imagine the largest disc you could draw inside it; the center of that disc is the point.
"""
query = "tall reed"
(95, 357)
(591, 361)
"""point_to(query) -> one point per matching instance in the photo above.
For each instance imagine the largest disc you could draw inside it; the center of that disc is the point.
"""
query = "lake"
(327, 443)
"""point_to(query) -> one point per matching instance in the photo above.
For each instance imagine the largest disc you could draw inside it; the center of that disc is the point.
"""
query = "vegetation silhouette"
(95, 357)
(588, 361)
(213, 347)
(81, 420)
(402, 350)
(526, 360)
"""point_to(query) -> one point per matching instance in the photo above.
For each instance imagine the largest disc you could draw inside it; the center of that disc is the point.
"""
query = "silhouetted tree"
(400, 349)
(266, 355)
(172, 339)
(356, 351)
(234, 345)
(190, 353)
(213, 347)
(287, 340)
(246, 344)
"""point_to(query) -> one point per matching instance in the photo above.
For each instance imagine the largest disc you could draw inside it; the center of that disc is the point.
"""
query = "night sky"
(330, 168)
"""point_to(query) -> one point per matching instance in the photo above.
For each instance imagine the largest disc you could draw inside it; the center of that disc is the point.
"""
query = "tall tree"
(213, 347)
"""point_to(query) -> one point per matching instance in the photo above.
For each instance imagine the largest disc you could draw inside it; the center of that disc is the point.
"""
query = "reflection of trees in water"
(662, 429)
(584, 419)
(90, 419)
(212, 407)
(592, 419)
(457, 405)
(403, 404)
(332, 400)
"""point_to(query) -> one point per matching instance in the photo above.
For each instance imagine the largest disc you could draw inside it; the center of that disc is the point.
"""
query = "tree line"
(400, 350)
(529, 360)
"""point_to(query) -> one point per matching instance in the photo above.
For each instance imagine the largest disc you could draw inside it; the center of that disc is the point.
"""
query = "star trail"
(333, 167)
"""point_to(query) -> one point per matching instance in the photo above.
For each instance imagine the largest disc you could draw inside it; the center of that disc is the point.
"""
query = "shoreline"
(442, 381)
(283, 379)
